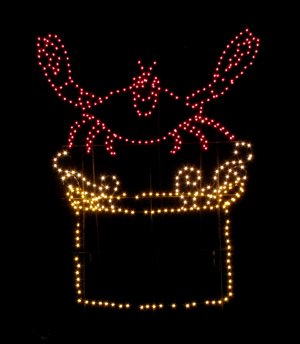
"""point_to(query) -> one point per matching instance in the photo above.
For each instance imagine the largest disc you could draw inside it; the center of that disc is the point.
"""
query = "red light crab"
(190, 193)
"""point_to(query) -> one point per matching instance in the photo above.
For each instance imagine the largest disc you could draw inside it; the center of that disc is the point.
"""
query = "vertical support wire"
(96, 213)
(83, 251)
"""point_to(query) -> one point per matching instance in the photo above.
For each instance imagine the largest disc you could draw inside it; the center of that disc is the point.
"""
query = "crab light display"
(112, 181)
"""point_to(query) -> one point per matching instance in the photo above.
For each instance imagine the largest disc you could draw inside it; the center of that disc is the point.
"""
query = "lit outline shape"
(228, 181)
(227, 186)
(144, 90)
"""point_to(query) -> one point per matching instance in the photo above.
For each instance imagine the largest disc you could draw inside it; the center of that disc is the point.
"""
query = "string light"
(190, 192)
(144, 89)
(235, 59)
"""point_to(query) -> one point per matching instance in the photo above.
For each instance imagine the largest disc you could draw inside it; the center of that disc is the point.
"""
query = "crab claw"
(235, 59)
(53, 59)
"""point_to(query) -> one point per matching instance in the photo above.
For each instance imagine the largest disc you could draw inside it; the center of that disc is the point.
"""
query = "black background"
(104, 46)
